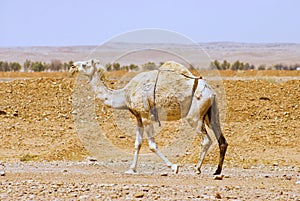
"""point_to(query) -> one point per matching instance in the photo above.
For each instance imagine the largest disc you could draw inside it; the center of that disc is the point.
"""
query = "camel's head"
(87, 68)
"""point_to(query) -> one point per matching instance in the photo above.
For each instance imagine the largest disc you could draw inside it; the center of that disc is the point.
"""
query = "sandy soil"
(46, 156)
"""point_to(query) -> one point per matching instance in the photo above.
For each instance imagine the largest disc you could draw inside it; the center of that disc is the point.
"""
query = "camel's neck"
(111, 98)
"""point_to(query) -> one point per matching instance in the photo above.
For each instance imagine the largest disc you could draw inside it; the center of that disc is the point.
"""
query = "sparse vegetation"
(36, 66)
(57, 65)
(238, 65)
(12, 66)
(149, 66)
(225, 65)
(133, 67)
(262, 67)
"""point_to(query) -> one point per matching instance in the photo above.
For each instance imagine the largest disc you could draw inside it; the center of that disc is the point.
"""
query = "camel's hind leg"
(213, 122)
(195, 118)
(206, 143)
(152, 145)
(222, 146)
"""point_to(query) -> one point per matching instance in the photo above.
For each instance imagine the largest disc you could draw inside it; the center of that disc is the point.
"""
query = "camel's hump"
(176, 67)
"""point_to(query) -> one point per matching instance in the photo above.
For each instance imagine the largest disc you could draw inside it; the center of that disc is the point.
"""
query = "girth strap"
(153, 109)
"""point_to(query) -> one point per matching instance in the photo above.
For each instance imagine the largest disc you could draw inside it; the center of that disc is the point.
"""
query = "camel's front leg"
(138, 145)
(153, 147)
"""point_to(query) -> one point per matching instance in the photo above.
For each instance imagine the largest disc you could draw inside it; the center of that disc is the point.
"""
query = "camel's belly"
(172, 107)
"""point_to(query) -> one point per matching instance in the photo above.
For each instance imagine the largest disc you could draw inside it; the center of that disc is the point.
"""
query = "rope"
(187, 76)
(153, 109)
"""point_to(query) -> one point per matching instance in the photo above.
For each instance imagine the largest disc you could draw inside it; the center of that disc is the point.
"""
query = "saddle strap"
(153, 109)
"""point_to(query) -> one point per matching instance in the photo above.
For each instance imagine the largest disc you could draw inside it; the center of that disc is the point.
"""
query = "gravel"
(94, 181)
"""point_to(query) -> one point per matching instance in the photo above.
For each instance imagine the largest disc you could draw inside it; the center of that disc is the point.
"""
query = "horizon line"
(149, 43)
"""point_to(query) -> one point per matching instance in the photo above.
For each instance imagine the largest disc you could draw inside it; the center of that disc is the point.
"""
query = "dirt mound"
(261, 100)
(36, 121)
(33, 74)
(261, 124)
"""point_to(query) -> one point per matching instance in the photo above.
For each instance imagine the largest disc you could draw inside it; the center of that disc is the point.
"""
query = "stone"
(59, 183)
(139, 195)
(2, 173)
(114, 196)
(288, 177)
(125, 187)
(218, 195)
(16, 113)
(92, 159)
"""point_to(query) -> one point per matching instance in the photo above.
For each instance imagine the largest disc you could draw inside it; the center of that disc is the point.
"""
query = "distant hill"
(127, 53)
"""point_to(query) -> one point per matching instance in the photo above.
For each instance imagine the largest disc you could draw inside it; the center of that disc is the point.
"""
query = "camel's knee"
(139, 137)
(222, 142)
(138, 146)
(152, 146)
(207, 142)
(138, 143)
(197, 124)
(223, 146)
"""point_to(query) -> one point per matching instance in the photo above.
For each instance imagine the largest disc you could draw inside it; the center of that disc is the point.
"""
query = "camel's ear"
(95, 62)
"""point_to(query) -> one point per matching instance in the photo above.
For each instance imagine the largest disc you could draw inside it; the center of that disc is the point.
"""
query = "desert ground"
(59, 143)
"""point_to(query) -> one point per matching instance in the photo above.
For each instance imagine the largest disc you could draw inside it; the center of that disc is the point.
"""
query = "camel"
(170, 93)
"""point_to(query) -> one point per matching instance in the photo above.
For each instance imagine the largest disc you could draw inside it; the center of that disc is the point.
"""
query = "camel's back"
(175, 67)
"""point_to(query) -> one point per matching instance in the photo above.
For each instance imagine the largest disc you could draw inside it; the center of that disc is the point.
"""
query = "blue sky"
(91, 22)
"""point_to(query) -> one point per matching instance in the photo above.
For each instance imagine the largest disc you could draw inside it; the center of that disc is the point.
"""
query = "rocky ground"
(45, 154)
(92, 180)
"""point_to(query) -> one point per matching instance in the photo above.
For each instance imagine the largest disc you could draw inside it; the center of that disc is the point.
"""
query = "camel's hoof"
(130, 171)
(219, 177)
(218, 171)
(197, 171)
(175, 168)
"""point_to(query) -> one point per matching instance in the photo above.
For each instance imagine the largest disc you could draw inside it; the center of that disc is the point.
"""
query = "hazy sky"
(91, 22)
